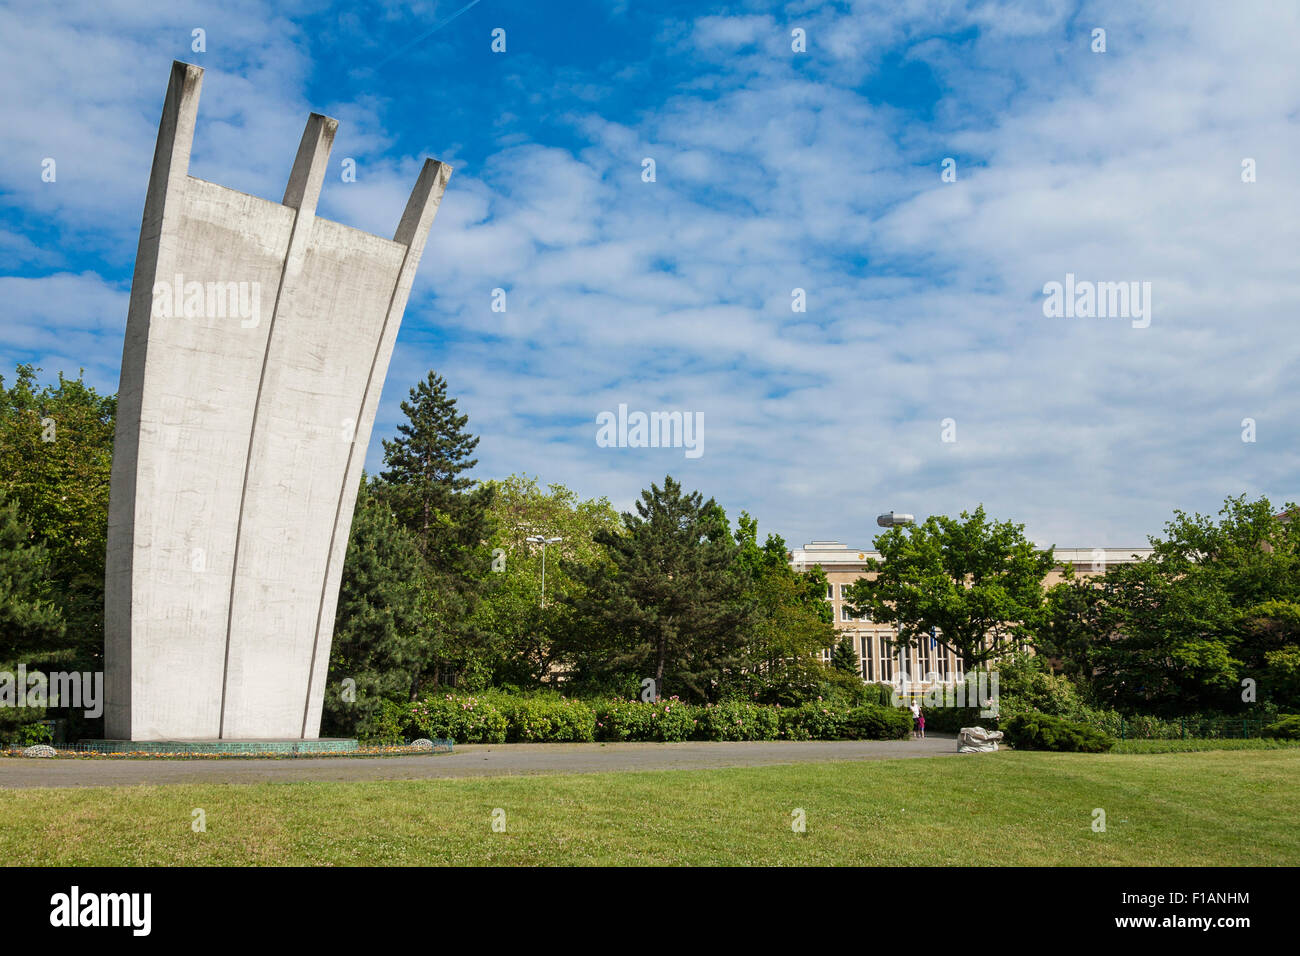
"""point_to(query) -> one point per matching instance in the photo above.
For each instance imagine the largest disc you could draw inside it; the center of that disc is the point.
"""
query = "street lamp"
(543, 541)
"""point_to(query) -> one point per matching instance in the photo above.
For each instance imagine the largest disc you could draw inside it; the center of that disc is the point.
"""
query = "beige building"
(933, 661)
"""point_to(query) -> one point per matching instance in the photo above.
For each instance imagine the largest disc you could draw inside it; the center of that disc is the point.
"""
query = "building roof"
(832, 553)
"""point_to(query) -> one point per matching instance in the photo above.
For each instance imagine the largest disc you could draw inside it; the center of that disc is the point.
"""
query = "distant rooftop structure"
(835, 555)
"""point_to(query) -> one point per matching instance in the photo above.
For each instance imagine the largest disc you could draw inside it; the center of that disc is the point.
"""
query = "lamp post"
(543, 541)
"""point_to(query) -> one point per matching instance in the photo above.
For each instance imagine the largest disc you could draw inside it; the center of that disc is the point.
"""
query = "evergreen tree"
(31, 626)
(844, 658)
(427, 489)
(377, 642)
(670, 603)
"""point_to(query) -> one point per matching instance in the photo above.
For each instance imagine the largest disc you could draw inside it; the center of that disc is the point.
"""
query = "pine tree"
(377, 628)
(31, 627)
(670, 603)
(844, 657)
(426, 488)
(426, 466)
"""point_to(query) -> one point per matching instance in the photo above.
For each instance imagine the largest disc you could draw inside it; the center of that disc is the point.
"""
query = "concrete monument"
(257, 341)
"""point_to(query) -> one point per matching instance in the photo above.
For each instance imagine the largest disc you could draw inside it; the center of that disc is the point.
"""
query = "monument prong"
(311, 164)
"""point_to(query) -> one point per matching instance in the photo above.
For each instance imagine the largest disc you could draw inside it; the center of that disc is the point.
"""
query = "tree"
(979, 583)
(844, 658)
(533, 642)
(56, 452)
(1067, 632)
(1217, 604)
(669, 605)
(426, 488)
(790, 624)
(426, 464)
(377, 642)
(31, 626)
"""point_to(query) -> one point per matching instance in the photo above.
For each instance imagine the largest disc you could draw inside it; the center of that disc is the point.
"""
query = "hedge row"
(505, 719)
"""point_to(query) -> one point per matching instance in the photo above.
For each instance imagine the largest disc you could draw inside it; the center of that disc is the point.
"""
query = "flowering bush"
(466, 720)
(738, 721)
(499, 717)
(623, 720)
(816, 720)
(672, 720)
(664, 720)
(386, 723)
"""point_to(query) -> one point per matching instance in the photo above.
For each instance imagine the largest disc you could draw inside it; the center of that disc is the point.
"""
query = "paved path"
(471, 760)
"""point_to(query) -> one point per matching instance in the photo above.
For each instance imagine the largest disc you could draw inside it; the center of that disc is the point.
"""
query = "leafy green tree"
(426, 487)
(1217, 604)
(669, 605)
(790, 624)
(980, 583)
(56, 450)
(1067, 630)
(377, 642)
(534, 642)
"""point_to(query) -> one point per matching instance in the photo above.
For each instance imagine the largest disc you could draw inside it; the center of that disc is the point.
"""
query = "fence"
(1197, 728)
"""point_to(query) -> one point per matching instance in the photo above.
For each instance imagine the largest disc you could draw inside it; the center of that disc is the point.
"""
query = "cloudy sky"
(775, 170)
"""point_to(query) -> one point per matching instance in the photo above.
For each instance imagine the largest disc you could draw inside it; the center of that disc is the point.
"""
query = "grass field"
(1211, 808)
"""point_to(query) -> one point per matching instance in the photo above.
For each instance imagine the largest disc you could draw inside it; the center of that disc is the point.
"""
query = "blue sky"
(775, 170)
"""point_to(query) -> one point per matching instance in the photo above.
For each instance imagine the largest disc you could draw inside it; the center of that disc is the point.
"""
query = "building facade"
(879, 661)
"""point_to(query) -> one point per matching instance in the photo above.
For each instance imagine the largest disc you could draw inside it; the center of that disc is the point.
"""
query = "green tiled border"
(215, 746)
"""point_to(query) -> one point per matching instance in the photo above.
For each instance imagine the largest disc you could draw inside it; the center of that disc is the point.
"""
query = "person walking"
(918, 721)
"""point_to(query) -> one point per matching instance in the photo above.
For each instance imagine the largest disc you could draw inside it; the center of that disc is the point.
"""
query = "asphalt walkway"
(470, 760)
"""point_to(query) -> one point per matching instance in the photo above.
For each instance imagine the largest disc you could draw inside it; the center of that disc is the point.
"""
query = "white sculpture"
(977, 740)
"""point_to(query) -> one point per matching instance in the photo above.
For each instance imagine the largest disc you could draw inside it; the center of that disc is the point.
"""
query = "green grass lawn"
(1211, 808)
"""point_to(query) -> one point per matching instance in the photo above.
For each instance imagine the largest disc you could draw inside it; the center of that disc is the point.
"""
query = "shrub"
(672, 720)
(821, 720)
(1044, 732)
(386, 723)
(466, 720)
(1286, 727)
(542, 720)
(622, 720)
(872, 722)
(738, 721)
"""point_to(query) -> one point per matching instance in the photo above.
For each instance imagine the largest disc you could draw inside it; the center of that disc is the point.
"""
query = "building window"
(944, 662)
(925, 657)
(887, 654)
(868, 643)
(830, 592)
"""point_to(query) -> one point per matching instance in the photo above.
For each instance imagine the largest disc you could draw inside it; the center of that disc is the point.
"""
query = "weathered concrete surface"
(258, 339)
(474, 760)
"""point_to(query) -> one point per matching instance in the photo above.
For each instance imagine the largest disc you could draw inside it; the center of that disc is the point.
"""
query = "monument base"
(282, 746)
